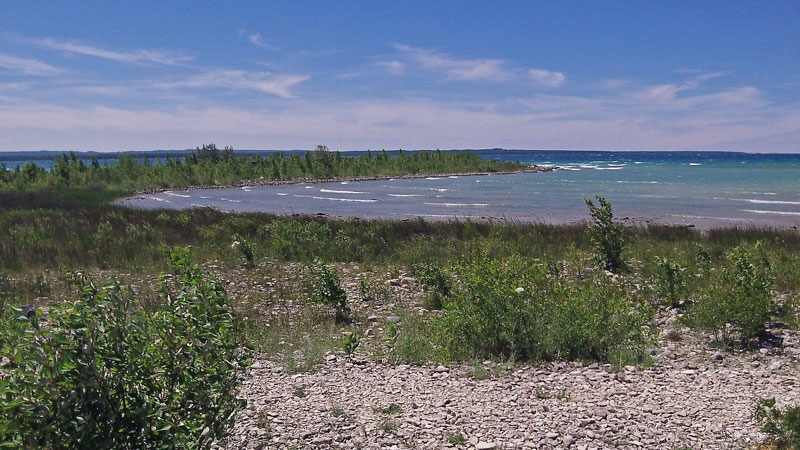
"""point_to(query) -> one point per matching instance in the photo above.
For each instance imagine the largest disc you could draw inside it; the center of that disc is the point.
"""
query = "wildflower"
(520, 290)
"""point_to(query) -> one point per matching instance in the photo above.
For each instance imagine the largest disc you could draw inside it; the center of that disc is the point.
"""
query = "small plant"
(671, 281)
(245, 248)
(262, 421)
(337, 412)
(350, 343)
(435, 282)
(299, 393)
(392, 409)
(738, 299)
(456, 439)
(387, 425)
(606, 235)
(327, 289)
(783, 426)
(391, 335)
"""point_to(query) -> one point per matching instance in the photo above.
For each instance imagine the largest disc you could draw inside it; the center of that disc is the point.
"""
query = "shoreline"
(265, 182)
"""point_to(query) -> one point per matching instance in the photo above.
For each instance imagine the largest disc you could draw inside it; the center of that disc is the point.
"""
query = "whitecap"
(282, 193)
(204, 197)
(695, 164)
(454, 204)
(309, 187)
(405, 195)
(688, 216)
(767, 202)
(172, 194)
(761, 211)
(453, 176)
(345, 182)
(160, 199)
(333, 191)
(336, 199)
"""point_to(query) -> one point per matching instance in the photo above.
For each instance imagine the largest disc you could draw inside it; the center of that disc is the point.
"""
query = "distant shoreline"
(266, 182)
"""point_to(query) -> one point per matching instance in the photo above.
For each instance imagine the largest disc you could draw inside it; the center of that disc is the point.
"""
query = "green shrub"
(606, 235)
(350, 343)
(783, 426)
(738, 299)
(107, 371)
(671, 281)
(435, 282)
(510, 308)
(327, 289)
(245, 248)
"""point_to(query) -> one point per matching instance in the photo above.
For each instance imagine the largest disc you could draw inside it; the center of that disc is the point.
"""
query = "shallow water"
(705, 189)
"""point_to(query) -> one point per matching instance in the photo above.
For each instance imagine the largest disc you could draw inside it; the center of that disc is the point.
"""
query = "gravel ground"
(693, 396)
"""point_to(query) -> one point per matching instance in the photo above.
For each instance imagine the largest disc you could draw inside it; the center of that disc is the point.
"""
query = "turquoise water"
(704, 189)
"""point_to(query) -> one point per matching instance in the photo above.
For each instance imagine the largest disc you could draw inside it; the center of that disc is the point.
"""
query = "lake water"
(704, 189)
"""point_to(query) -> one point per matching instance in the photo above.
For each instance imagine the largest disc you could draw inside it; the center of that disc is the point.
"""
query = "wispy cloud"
(279, 85)
(257, 40)
(477, 69)
(393, 67)
(129, 57)
(28, 66)
(457, 69)
(547, 78)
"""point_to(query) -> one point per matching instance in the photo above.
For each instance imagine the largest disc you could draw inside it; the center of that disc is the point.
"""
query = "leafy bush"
(435, 282)
(245, 248)
(737, 300)
(350, 343)
(671, 281)
(783, 426)
(606, 235)
(108, 371)
(507, 307)
(327, 288)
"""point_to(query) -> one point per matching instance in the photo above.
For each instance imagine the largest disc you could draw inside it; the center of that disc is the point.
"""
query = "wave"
(695, 164)
(759, 193)
(766, 202)
(205, 197)
(762, 211)
(172, 194)
(405, 195)
(453, 176)
(158, 199)
(309, 187)
(334, 191)
(454, 204)
(637, 182)
(337, 199)
(688, 216)
(282, 193)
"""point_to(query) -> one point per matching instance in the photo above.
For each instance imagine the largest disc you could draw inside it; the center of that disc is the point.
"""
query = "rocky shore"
(693, 395)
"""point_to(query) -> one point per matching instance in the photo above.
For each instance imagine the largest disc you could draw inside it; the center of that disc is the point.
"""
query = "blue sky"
(638, 75)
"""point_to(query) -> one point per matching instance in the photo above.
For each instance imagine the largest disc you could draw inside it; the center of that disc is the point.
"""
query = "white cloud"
(546, 121)
(547, 78)
(27, 66)
(279, 85)
(257, 40)
(131, 57)
(458, 69)
(393, 67)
